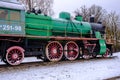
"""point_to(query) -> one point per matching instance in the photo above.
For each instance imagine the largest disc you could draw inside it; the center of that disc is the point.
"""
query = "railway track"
(41, 63)
(51, 70)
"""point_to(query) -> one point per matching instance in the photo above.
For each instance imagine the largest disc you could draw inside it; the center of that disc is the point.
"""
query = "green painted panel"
(10, 27)
(79, 18)
(102, 43)
(38, 25)
(22, 16)
(62, 27)
(64, 15)
(98, 35)
(39, 16)
(13, 22)
(102, 46)
(37, 32)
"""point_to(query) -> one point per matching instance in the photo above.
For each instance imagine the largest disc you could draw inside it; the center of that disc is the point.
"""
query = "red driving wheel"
(54, 51)
(15, 55)
(71, 50)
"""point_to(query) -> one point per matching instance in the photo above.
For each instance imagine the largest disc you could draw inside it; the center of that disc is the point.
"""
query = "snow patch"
(94, 69)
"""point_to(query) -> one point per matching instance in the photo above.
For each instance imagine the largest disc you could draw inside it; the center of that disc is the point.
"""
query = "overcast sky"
(71, 5)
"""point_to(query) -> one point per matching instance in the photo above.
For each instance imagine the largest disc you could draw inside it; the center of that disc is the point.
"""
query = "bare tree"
(83, 11)
(44, 5)
(112, 29)
(98, 12)
(95, 10)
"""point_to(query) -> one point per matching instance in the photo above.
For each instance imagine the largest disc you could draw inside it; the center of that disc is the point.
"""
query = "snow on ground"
(94, 69)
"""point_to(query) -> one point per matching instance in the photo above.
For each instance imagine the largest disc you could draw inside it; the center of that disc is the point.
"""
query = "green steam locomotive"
(31, 34)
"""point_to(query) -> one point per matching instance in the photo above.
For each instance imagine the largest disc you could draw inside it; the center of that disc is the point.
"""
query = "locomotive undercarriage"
(14, 50)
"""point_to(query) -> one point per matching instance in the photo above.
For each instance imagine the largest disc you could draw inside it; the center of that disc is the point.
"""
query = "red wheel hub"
(71, 50)
(15, 56)
(53, 51)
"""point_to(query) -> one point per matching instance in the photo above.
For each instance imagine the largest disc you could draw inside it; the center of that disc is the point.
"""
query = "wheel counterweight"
(54, 51)
(15, 55)
(71, 50)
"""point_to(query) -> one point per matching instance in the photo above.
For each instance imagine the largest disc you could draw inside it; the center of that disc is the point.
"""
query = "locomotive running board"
(49, 37)
(61, 38)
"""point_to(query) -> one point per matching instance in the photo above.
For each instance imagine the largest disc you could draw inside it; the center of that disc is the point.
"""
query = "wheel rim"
(71, 50)
(107, 54)
(14, 56)
(54, 51)
(86, 54)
